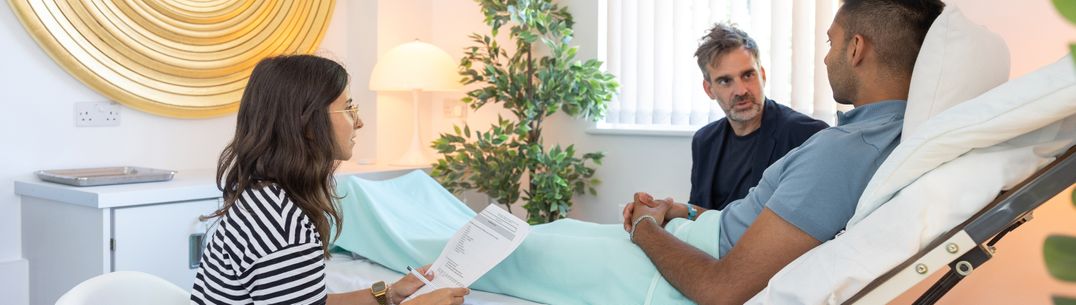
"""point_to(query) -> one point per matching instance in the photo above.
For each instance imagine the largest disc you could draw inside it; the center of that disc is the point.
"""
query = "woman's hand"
(408, 284)
(443, 296)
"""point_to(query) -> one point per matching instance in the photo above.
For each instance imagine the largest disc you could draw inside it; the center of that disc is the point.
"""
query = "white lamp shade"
(415, 65)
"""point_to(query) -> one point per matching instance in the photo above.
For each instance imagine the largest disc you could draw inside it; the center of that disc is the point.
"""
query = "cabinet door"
(156, 239)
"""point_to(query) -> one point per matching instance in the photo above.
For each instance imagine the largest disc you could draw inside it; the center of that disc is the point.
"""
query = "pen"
(420, 277)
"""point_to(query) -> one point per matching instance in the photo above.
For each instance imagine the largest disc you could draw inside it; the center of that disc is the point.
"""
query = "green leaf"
(1067, 8)
(1060, 300)
(1059, 252)
(1074, 189)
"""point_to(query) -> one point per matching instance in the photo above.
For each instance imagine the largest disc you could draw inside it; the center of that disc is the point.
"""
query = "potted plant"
(538, 79)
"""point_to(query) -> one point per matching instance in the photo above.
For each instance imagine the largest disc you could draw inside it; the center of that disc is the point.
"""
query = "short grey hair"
(719, 40)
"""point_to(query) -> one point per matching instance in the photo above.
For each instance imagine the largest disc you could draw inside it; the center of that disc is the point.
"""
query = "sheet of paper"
(476, 248)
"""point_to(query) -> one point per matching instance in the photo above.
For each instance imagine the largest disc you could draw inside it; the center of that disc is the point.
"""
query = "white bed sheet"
(345, 273)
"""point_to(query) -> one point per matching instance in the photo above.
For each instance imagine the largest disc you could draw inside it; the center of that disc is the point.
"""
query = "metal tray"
(105, 175)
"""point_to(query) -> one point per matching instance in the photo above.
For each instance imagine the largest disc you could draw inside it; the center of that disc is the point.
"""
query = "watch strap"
(380, 292)
(691, 211)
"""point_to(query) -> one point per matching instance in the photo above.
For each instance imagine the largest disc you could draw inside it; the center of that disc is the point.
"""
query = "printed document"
(476, 248)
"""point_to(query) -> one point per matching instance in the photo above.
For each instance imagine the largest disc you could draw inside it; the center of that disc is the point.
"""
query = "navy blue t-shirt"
(734, 167)
(723, 170)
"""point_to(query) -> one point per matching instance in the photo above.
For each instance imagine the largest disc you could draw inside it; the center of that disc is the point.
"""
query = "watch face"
(378, 287)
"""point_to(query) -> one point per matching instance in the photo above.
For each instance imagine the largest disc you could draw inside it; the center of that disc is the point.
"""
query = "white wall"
(1034, 30)
(38, 130)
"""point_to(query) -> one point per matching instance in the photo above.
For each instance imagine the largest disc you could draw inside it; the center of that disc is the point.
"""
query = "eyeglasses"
(352, 111)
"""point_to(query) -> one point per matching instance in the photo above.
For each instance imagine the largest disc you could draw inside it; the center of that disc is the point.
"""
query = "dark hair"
(283, 135)
(896, 28)
(721, 39)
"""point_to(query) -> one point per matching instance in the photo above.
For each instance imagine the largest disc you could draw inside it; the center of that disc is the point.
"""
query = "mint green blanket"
(406, 221)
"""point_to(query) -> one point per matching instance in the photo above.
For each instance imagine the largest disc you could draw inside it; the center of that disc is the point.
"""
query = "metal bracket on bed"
(974, 239)
(958, 270)
(962, 267)
(913, 271)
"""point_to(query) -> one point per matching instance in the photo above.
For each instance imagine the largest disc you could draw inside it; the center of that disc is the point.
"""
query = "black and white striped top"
(265, 250)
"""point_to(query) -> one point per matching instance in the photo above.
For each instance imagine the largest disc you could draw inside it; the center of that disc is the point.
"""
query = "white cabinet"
(70, 234)
(66, 244)
(161, 239)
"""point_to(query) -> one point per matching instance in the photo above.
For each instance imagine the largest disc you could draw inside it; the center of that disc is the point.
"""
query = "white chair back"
(124, 288)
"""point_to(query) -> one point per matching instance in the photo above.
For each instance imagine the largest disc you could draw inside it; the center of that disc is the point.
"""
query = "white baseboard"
(15, 282)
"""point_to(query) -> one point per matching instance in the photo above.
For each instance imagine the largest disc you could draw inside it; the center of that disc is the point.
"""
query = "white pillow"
(958, 61)
(1016, 107)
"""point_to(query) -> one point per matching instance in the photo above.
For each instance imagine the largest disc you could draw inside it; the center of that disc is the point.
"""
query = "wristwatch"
(380, 291)
(691, 211)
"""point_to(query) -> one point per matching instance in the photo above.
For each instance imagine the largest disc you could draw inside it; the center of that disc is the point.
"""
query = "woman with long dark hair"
(296, 122)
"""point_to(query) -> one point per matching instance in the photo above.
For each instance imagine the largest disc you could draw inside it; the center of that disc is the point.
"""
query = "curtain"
(651, 44)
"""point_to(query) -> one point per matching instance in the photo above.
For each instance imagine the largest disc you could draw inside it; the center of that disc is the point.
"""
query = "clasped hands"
(645, 204)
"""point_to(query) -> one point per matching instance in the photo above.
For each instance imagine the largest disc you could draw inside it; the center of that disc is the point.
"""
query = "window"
(650, 46)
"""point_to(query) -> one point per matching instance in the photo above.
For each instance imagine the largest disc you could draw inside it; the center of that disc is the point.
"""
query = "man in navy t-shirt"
(729, 155)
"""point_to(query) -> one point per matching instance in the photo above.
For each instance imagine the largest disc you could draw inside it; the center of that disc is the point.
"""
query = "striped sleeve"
(265, 250)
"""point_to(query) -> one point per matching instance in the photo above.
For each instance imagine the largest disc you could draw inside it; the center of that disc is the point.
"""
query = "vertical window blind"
(650, 46)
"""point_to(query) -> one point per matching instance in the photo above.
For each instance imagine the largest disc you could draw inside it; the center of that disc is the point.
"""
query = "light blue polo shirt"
(816, 186)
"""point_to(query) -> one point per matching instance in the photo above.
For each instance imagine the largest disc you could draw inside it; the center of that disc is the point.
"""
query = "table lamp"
(414, 66)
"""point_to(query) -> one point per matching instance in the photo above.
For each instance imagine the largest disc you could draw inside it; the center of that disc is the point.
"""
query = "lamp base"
(413, 157)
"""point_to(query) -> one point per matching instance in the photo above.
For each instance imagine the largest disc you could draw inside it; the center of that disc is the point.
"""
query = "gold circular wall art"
(177, 58)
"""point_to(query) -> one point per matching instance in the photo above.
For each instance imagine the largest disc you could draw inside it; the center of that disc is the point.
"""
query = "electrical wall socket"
(97, 114)
(454, 109)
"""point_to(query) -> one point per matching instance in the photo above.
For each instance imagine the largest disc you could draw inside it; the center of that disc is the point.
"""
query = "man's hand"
(647, 206)
(642, 198)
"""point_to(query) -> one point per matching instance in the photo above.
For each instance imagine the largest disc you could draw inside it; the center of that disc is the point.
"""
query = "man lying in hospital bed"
(407, 221)
(946, 169)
